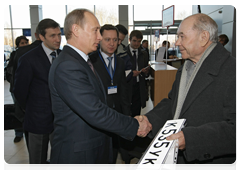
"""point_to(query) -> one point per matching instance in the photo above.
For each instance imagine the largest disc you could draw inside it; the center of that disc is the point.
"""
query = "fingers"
(139, 118)
(180, 137)
(144, 126)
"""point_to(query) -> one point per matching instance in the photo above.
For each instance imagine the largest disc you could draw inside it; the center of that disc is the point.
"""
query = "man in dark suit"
(121, 52)
(32, 92)
(144, 46)
(82, 119)
(19, 112)
(112, 75)
(139, 61)
(204, 93)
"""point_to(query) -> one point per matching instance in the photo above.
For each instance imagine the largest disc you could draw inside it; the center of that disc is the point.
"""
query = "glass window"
(72, 7)
(107, 14)
(55, 12)
(8, 40)
(130, 15)
(7, 22)
(20, 16)
(181, 11)
(143, 12)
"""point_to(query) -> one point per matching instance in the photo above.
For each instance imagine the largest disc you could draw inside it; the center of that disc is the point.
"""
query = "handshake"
(144, 126)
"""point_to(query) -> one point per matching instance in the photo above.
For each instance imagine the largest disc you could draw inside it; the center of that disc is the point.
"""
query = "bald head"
(76, 16)
(202, 22)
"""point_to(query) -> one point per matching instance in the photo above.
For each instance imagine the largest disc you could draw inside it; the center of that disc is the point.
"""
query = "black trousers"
(38, 148)
(136, 100)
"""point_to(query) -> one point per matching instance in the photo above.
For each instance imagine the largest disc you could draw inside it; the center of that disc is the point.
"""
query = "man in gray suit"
(204, 93)
(82, 119)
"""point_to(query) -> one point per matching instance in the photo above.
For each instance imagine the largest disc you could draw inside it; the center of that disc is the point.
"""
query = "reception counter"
(163, 76)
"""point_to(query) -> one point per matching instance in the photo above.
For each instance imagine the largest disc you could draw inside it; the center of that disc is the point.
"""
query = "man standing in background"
(111, 70)
(139, 61)
(32, 92)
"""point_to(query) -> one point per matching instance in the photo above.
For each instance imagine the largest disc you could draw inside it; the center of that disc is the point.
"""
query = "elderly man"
(204, 93)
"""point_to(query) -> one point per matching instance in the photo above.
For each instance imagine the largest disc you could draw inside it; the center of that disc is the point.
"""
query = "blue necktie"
(53, 54)
(110, 66)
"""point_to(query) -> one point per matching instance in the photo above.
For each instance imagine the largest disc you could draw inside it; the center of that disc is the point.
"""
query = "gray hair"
(203, 22)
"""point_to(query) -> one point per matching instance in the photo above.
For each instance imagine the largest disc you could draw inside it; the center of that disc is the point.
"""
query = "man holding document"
(204, 93)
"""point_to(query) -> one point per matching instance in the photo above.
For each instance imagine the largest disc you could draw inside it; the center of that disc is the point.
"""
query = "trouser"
(19, 131)
(136, 100)
(38, 147)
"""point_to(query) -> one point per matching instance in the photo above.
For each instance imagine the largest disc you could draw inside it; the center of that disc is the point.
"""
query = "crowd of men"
(86, 99)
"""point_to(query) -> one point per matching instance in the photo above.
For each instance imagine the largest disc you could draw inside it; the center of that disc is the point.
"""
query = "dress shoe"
(17, 139)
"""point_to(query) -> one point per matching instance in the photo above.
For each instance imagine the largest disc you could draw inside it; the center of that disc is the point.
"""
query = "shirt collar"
(84, 56)
(132, 49)
(47, 50)
(104, 55)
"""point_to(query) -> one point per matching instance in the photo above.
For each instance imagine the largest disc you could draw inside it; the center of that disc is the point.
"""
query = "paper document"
(127, 72)
(160, 54)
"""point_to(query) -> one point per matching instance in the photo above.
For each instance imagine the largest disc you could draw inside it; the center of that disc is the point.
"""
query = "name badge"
(112, 89)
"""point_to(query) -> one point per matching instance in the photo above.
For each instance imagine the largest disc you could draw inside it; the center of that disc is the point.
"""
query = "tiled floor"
(16, 153)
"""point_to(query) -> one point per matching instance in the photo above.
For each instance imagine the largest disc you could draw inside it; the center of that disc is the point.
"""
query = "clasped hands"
(144, 126)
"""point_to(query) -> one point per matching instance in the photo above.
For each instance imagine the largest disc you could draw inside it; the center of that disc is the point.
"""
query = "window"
(107, 14)
(55, 12)
(72, 7)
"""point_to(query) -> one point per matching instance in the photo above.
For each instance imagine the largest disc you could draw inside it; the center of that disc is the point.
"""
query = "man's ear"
(75, 30)
(204, 38)
(42, 38)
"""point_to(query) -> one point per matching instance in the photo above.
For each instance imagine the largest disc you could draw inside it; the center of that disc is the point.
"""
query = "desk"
(174, 62)
(163, 77)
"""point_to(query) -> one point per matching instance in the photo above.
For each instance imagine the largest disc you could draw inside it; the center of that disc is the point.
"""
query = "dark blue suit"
(32, 92)
(82, 119)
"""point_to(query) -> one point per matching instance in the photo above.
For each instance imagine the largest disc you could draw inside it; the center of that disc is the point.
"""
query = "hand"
(145, 71)
(136, 73)
(144, 126)
(180, 137)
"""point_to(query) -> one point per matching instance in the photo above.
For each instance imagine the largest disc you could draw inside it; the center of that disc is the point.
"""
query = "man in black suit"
(112, 75)
(144, 46)
(32, 92)
(139, 61)
(82, 119)
(19, 112)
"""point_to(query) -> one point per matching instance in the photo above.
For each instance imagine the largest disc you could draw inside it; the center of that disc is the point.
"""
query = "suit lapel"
(97, 80)
(204, 77)
(201, 82)
(43, 57)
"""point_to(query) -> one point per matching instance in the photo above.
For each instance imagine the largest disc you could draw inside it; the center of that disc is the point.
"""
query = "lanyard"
(115, 63)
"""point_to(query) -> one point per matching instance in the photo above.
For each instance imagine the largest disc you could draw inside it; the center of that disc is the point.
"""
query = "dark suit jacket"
(82, 118)
(32, 92)
(19, 52)
(118, 101)
(142, 63)
(147, 51)
(209, 109)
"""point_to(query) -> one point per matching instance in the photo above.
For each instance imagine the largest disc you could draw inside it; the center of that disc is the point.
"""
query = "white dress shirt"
(48, 52)
(131, 49)
(105, 56)
(84, 56)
